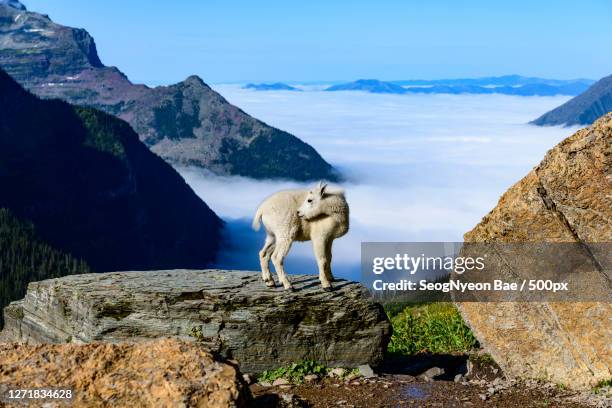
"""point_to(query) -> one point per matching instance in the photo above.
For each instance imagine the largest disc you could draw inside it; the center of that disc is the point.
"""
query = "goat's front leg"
(283, 244)
(323, 261)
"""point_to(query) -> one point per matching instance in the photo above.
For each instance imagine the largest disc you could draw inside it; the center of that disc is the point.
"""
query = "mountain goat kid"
(300, 215)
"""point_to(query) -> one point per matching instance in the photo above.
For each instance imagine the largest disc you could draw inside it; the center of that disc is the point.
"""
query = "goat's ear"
(322, 187)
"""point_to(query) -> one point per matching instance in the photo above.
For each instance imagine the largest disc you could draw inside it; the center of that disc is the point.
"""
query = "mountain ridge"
(502, 80)
(276, 86)
(368, 85)
(196, 124)
(510, 85)
(584, 109)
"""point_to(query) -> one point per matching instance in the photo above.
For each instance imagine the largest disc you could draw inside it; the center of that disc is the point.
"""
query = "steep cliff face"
(566, 198)
(584, 109)
(187, 123)
(36, 48)
(92, 189)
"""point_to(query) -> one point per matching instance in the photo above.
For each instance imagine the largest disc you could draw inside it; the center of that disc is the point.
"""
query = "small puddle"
(416, 391)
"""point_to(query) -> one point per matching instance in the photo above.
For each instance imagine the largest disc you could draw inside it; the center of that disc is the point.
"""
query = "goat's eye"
(310, 200)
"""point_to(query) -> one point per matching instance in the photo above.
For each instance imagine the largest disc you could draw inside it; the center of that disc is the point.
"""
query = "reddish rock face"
(165, 372)
(566, 198)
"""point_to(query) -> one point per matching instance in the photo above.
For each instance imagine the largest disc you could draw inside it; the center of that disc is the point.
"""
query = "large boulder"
(158, 373)
(566, 198)
(231, 312)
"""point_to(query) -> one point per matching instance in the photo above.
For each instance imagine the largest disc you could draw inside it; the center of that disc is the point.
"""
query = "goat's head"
(311, 207)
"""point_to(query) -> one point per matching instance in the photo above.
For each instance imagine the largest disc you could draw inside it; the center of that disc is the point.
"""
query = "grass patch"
(482, 359)
(602, 385)
(431, 327)
(295, 372)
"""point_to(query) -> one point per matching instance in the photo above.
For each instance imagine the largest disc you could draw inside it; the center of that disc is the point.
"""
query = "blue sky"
(165, 41)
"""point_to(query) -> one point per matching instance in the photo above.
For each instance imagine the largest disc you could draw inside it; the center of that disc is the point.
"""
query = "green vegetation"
(295, 372)
(196, 333)
(273, 153)
(246, 130)
(103, 131)
(544, 403)
(432, 327)
(173, 122)
(603, 384)
(482, 359)
(25, 258)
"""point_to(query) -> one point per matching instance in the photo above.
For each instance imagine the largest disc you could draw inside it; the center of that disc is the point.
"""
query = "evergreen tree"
(25, 258)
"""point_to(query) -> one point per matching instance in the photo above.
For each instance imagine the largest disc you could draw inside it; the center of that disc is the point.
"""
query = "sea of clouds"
(420, 167)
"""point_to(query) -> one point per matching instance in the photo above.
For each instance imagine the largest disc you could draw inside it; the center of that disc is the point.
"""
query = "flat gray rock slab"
(232, 312)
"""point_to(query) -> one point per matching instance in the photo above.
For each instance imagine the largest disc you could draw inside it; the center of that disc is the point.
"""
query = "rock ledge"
(231, 312)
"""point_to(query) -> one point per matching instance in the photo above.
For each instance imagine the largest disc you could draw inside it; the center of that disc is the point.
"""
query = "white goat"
(301, 215)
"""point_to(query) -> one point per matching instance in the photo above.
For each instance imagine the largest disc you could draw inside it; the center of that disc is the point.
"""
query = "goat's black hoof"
(328, 289)
(290, 289)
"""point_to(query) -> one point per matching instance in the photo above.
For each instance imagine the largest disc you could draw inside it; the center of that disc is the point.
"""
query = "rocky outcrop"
(186, 123)
(566, 198)
(231, 312)
(161, 373)
(584, 109)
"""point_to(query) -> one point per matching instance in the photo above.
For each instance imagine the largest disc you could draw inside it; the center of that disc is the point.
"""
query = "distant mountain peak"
(369, 81)
(276, 86)
(13, 4)
(195, 80)
(369, 85)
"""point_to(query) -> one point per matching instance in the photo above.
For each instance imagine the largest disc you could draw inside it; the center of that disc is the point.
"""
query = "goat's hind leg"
(278, 258)
(264, 259)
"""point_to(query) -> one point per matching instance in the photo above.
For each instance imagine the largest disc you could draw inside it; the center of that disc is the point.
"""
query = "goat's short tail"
(257, 220)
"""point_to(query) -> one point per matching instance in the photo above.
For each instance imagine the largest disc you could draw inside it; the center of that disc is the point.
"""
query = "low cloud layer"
(420, 167)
